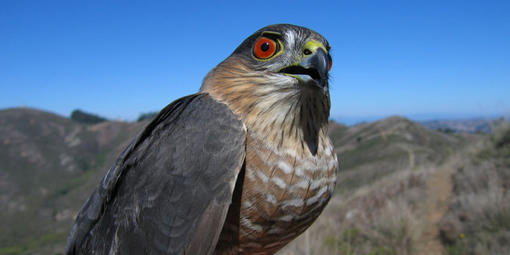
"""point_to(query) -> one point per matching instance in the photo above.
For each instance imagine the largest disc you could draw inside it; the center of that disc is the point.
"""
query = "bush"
(478, 220)
(87, 118)
(502, 138)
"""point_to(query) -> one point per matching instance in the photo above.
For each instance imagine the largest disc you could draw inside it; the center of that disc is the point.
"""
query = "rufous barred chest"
(283, 193)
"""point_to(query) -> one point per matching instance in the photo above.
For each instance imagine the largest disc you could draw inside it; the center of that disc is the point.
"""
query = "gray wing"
(169, 191)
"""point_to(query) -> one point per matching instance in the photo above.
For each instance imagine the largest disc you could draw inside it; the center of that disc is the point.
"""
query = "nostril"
(307, 52)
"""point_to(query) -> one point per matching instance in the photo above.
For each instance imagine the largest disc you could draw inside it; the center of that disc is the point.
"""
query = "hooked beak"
(313, 68)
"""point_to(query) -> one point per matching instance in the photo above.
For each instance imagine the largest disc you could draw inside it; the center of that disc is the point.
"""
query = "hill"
(369, 151)
(50, 164)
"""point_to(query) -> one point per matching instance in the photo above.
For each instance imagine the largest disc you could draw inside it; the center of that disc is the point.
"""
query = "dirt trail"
(439, 191)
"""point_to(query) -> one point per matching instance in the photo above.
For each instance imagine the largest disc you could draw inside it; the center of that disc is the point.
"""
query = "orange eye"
(330, 63)
(264, 48)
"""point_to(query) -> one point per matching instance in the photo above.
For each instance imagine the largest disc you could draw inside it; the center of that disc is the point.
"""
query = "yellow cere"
(313, 45)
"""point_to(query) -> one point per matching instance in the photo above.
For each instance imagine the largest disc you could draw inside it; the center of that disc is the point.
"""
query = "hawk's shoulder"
(175, 178)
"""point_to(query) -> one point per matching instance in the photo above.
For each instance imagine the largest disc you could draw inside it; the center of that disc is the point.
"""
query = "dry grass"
(478, 221)
(383, 218)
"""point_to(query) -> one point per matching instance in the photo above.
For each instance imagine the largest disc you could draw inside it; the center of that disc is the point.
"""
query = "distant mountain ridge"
(461, 126)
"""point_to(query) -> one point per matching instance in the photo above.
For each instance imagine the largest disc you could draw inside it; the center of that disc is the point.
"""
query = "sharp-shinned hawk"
(242, 167)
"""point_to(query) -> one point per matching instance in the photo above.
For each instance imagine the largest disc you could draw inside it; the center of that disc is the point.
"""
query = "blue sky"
(421, 59)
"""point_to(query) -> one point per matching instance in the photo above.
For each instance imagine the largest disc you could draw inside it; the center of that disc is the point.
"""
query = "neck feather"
(274, 108)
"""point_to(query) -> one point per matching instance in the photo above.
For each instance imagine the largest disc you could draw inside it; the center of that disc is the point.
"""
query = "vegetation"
(34, 245)
(380, 224)
(48, 167)
(147, 116)
(87, 118)
(478, 220)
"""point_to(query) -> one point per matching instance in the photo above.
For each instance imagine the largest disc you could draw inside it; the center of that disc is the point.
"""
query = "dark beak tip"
(318, 61)
(316, 66)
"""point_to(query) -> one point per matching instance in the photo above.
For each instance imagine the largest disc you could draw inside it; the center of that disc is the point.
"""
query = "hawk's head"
(277, 79)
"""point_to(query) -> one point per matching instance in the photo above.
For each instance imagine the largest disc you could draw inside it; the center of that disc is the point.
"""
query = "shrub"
(87, 118)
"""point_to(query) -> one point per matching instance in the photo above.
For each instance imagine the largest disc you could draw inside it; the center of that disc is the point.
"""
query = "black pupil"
(264, 46)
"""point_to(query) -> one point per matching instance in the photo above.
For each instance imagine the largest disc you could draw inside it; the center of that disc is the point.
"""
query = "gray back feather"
(169, 191)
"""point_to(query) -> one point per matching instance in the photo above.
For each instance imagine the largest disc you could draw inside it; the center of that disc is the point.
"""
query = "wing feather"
(169, 191)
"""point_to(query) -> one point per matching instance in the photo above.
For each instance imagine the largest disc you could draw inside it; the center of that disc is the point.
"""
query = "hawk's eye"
(264, 48)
